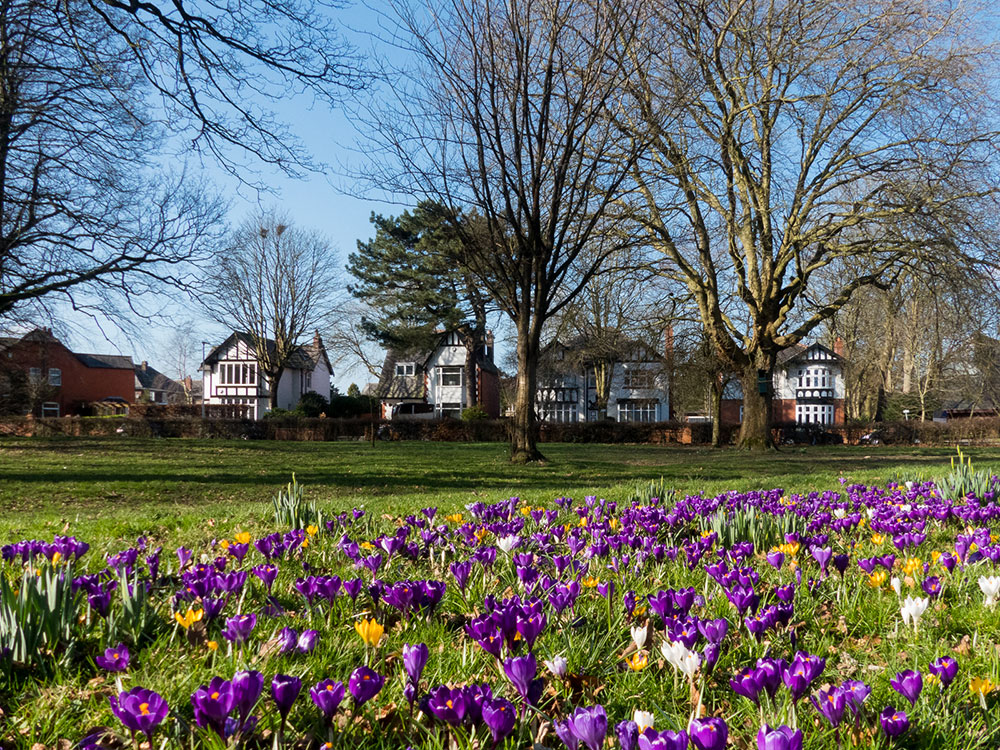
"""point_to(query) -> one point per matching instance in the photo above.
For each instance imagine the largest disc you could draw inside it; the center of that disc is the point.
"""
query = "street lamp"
(906, 415)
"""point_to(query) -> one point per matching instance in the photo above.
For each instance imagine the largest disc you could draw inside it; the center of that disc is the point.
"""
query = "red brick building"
(41, 376)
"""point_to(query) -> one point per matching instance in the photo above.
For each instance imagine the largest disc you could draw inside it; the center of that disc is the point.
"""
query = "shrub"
(311, 405)
(474, 414)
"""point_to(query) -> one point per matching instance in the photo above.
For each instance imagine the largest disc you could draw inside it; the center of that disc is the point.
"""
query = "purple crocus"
(709, 734)
(855, 692)
(499, 716)
(447, 704)
(307, 641)
(748, 683)
(327, 695)
(212, 704)
(414, 661)
(628, 735)
(908, 684)
(247, 687)
(589, 726)
(831, 704)
(521, 670)
(288, 638)
(779, 738)
(893, 722)
(284, 690)
(114, 659)
(364, 685)
(799, 675)
(666, 740)
(140, 710)
(238, 628)
(945, 668)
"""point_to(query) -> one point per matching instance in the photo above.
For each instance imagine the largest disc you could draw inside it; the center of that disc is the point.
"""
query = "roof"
(796, 352)
(150, 379)
(303, 357)
(106, 361)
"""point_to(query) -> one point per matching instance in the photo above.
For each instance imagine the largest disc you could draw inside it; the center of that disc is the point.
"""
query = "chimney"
(488, 346)
(145, 365)
(838, 346)
(317, 341)
(188, 383)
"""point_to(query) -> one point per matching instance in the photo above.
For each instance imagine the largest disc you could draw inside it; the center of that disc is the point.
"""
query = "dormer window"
(405, 369)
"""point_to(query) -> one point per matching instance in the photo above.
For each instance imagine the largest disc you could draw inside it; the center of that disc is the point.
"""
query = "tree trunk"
(471, 382)
(272, 384)
(524, 431)
(755, 429)
(715, 395)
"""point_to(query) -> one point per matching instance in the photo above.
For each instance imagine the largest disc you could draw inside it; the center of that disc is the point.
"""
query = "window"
(814, 414)
(55, 376)
(450, 376)
(405, 369)
(559, 412)
(637, 410)
(50, 409)
(35, 374)
(636, 377)
(309, 380)
(452, 410)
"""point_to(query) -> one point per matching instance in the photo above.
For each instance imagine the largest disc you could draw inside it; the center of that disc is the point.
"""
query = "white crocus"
(673, 652)
(913, 609)
(689, 665)
(643, 719)
(557, 666)
(991, 588)
(508, 543)
(639, 635)
(897, 585)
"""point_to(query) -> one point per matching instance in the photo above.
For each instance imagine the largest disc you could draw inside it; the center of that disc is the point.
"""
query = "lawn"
(834, 613)
(125, 486)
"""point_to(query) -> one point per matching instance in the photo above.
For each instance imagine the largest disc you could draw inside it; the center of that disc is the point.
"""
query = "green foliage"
(39, 615)
(311, 405)
(474, 414)
(646, 491)
(411, 277)
(964, 478)
(278, 413)
(353, 391)
(132, 618)
(291, 510)
(351, 406)
(749, 524)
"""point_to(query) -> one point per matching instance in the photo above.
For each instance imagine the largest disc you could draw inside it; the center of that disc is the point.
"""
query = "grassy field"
(123, 487)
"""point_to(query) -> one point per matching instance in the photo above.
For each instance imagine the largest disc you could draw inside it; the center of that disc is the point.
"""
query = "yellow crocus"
(370, 631)
(877, 539)
(590, 582)
(981, 686)
(454, 518)
(913, 565)
(243, 537)
(189, 618)
(877, 579)
(637, 661)
(213, 645)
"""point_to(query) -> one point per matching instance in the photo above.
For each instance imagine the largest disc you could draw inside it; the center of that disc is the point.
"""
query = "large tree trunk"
(524, 431)
(755, 430)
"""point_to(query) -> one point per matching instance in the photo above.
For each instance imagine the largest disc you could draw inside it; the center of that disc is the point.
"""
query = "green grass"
(126, 486)
(109, 491)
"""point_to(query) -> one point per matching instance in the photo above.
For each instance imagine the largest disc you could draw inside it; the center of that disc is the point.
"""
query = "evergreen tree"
(412, 277)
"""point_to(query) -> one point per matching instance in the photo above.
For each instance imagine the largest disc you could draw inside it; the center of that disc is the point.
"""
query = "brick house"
(39, 375)
(431, 383)
(808, 386)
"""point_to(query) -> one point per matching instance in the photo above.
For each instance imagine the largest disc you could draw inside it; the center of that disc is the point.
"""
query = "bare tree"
(508, 114)
(276, 283)
(789, 136)
(87, 217)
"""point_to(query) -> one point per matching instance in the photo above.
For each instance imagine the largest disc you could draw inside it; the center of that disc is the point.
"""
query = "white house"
(431, 383)
(807, 386)
(231, 375)
(638, 390)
